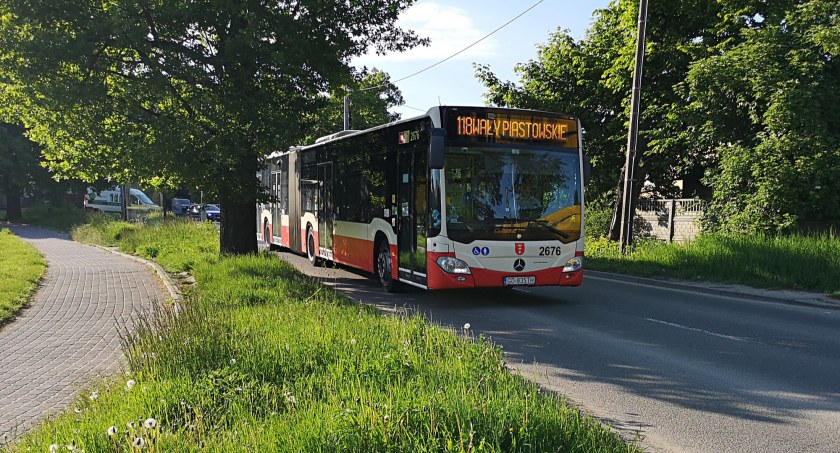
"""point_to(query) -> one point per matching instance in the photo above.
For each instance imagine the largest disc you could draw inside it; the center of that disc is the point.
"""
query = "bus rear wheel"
(267, 237)
(383, 268)
(310, 248)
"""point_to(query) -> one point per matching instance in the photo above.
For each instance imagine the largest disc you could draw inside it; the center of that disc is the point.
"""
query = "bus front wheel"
(383, 268)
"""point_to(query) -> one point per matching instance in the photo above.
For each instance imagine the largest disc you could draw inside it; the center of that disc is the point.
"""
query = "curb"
(728, 290)
(165, 278)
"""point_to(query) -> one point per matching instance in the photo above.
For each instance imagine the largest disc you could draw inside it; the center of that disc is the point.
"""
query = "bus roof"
(435, 113)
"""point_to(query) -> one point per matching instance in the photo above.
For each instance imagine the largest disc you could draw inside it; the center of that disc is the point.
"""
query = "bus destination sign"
(513, 128)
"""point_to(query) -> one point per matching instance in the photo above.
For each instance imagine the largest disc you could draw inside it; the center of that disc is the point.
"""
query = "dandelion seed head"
(130, 383)
(138, 442)
(53, 448)
(467, 326)
(232, 361)
(150, 423)
(112, 431)
(94, 395)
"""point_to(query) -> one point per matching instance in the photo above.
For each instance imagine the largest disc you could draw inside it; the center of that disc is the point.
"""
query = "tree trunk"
(615, 224)
(238, 233)
(14, 213)
(238, 203)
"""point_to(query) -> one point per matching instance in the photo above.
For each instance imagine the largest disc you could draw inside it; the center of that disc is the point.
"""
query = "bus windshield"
(512, 194)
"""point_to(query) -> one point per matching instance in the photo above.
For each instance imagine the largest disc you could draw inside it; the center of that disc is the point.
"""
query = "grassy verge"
(809, 263)
(21, 268)
(262, 358)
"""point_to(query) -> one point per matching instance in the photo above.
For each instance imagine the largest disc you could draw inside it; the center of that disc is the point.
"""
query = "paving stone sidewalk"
(69, 334)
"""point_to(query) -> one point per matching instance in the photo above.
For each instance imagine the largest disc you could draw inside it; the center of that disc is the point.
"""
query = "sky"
(453, 25)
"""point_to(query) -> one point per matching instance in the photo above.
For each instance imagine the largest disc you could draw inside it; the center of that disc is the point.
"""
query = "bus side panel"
(352, 246)
(284, 231)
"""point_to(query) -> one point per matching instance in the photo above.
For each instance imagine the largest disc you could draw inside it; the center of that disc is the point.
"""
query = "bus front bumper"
(485, 278)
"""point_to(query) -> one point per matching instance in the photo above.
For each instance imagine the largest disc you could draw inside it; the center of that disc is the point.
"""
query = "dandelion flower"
(467, 326)
(130, 383)
(112, 431)
(94, 395)
(150, 423)
(289, 397)
(138, 442)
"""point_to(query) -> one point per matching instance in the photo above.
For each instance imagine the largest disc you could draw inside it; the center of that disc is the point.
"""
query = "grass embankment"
(809, 263)
(21, 268)
(262, 358)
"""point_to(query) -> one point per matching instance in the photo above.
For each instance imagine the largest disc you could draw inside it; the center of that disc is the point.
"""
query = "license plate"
(513, 281)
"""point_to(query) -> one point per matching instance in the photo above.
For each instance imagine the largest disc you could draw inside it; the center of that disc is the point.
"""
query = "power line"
(460, 51)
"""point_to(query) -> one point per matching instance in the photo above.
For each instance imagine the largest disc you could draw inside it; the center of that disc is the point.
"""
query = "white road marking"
(694, 329)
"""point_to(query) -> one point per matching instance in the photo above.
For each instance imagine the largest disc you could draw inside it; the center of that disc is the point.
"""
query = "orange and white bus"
(461, 197)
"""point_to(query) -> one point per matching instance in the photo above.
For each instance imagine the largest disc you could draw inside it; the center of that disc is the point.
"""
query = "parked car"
(180, 205)
(212, 212)
(193, 211)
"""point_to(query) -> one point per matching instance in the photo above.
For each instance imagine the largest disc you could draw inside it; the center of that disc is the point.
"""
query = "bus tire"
(383, 268)
(310, 247)
(267, 235)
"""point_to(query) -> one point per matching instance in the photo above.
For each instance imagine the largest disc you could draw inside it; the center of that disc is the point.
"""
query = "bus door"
(411, 212)
(326, 214)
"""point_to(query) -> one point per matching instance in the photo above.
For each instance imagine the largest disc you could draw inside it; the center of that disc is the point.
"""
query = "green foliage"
(597, 220)
(182, 93)
(21, 268)
(263, 358)
(738, 96)
(781, 262)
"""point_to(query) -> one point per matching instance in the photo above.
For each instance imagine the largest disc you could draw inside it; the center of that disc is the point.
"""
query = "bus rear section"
(462, 197)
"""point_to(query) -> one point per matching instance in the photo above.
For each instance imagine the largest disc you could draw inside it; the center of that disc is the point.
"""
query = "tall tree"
(591, 78)
(764, 102)
(182, 92)
(738, 102)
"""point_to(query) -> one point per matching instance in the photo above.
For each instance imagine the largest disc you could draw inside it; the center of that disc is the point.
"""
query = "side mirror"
(587, 170)
(436, 147)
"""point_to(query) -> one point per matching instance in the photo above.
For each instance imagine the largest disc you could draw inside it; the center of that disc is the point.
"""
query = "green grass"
(263, 358)
(21, 268)
(809, 263)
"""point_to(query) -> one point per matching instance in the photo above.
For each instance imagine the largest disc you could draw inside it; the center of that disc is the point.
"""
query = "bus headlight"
(574, 264)
(453, 265)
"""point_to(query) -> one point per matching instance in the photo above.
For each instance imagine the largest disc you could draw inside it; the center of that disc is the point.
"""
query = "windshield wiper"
(544, 224)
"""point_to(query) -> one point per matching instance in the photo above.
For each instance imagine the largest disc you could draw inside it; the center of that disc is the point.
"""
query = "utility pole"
(125, 193)
(346, 109)
(628, 209)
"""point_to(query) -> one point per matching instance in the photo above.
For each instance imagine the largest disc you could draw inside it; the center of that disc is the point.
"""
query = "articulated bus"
(461, 197)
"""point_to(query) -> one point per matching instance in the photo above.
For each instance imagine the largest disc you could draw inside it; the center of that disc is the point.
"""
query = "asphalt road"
(678, 370)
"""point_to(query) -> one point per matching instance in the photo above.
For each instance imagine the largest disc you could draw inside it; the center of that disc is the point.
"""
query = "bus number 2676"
(549, 251)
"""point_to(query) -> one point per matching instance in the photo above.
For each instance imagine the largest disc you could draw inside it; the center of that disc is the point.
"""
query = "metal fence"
(672, 220)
